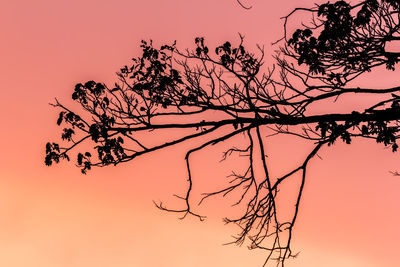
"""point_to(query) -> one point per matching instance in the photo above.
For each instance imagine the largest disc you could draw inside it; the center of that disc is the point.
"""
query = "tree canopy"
(215, 94)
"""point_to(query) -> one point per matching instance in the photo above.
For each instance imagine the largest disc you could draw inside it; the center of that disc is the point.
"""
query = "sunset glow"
(55, 216)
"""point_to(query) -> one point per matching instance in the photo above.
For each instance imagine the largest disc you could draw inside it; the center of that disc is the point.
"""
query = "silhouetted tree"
(223, 92)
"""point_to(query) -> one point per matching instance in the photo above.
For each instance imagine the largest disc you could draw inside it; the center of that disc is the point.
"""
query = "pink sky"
(58, 217)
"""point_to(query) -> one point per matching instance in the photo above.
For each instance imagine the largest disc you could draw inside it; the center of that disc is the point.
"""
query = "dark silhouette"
(225, 91)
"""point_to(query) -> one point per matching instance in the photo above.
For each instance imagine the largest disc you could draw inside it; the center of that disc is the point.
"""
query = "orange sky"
(58, 217)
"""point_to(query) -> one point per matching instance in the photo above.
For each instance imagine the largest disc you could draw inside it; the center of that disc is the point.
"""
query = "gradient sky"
(58, 217)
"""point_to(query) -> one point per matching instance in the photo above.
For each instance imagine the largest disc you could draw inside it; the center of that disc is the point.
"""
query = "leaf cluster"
(347, 39)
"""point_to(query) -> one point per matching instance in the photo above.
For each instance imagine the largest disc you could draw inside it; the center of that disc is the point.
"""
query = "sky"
(55, 216)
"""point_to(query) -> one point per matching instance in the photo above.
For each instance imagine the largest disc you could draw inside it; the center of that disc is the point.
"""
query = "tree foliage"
(216, 94)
